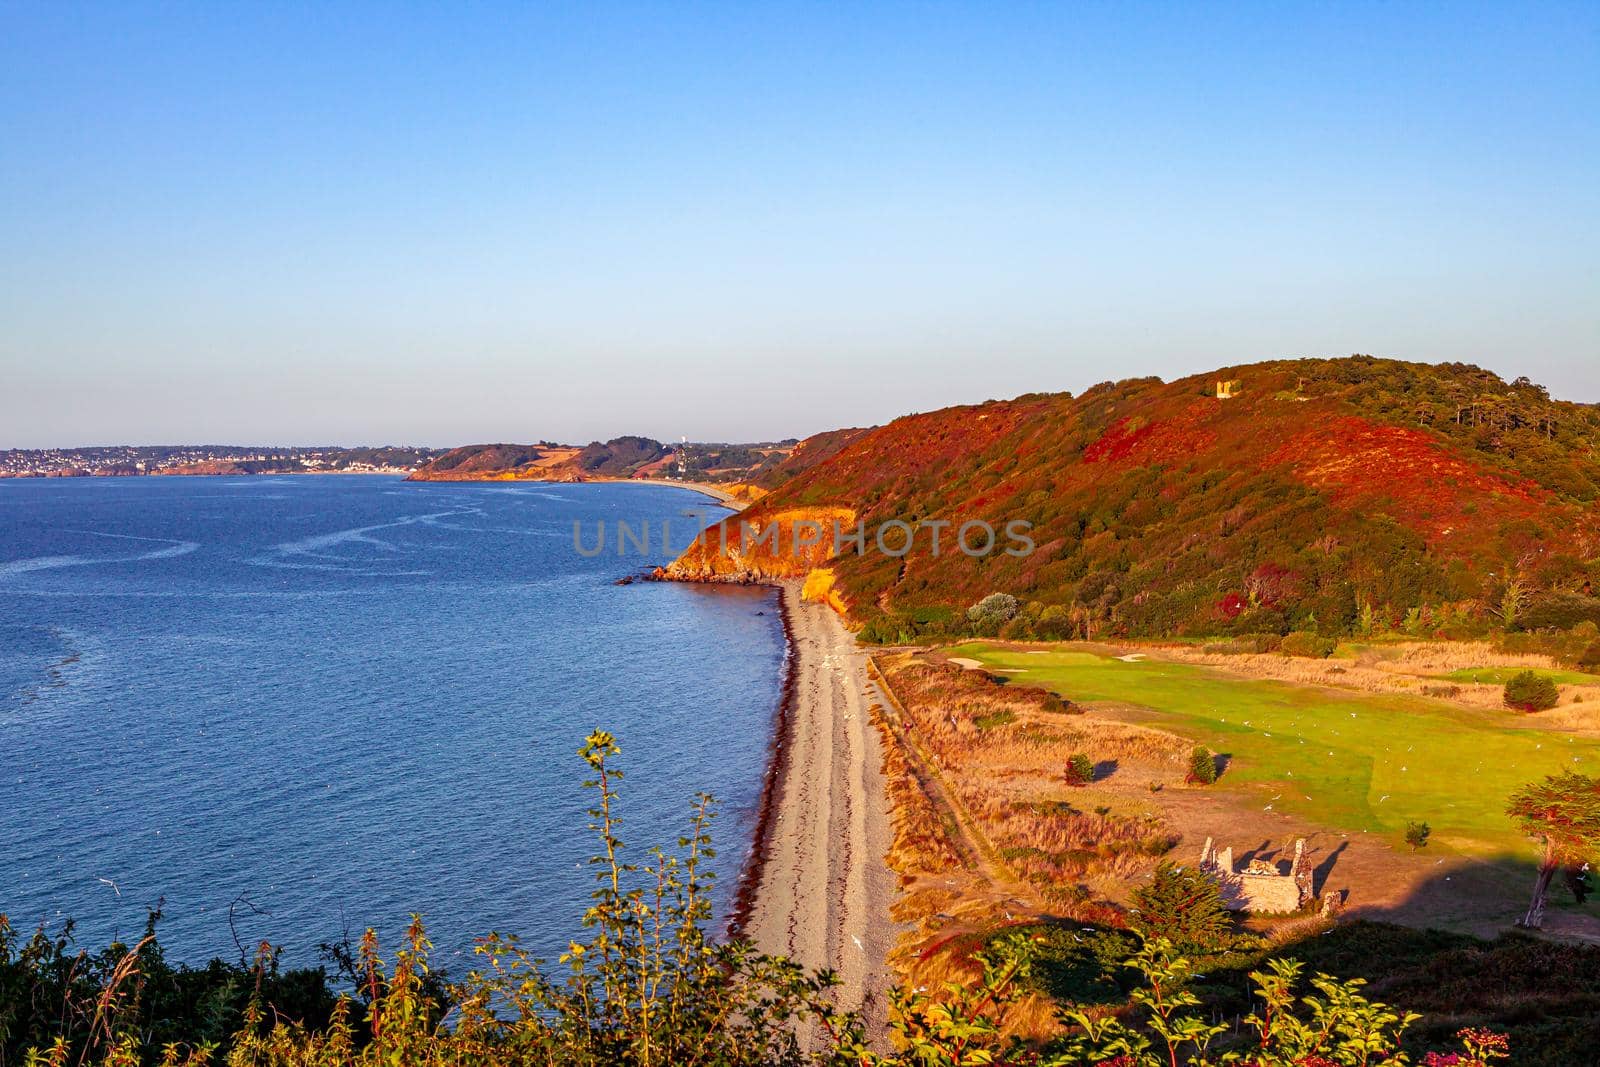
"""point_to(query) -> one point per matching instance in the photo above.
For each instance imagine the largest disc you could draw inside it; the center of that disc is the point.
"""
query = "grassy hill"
(1334, 495)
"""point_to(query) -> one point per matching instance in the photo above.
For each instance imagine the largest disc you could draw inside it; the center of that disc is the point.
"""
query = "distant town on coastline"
(622, 457)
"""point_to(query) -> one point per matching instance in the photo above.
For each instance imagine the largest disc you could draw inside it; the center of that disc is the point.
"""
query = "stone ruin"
(1261, 886)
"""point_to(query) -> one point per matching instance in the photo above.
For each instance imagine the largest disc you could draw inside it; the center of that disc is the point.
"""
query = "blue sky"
(460, 222)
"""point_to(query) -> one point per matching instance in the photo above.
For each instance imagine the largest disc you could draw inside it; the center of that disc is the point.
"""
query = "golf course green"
(1348, 760)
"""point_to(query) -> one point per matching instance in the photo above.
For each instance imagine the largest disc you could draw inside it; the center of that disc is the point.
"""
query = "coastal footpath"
(823, 889)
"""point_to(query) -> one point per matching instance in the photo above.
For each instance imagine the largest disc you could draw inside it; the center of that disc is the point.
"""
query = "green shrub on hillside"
(1080, 769)
(1417, 834)
(1183, 905)
(1531, 692)
(992, 612)
(1202, 766)
(1307, 644)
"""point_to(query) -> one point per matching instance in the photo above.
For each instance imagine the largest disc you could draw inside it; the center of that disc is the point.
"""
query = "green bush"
(1183, 905)
(1560, 611)
(993, 610)
(1417, 834)
(1202, 766)
(1307, 644)
(1080, 769)
(1530, 692)
(1589, 659)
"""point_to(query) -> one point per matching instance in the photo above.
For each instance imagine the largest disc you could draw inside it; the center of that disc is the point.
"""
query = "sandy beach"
(823, 891)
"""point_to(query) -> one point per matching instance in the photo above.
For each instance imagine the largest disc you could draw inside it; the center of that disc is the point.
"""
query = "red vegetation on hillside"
(1131, 441)
(1325, 493)
(1358, 461)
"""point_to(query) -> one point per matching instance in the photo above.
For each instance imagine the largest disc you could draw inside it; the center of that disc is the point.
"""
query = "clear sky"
(368, 223)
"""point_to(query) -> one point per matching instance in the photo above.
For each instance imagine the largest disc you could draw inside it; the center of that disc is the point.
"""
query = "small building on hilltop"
(1261, 886)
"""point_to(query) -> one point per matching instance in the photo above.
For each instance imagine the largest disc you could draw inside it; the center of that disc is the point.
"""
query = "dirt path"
(970, 839)
(824, 893)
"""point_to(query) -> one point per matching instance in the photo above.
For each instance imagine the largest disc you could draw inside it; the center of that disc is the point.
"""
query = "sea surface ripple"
(324, 703)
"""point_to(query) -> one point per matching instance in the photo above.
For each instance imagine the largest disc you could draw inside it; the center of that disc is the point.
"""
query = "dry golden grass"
(1000, 837)
(971, 721)
(1579, 712)
(1442, 657)
(923, 841)
(1053, 845)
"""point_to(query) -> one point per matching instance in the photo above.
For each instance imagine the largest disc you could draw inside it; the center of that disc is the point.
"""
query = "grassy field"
(1502, 675)
(1351, 761)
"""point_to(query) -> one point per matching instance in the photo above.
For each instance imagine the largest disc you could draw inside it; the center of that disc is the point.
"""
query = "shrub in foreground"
(1184, 906)
(647, 988)
(1531, 692)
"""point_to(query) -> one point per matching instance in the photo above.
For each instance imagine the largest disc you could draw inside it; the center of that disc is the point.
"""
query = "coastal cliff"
(763, 545)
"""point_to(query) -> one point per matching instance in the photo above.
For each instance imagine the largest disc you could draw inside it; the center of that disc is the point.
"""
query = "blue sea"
(324, 703)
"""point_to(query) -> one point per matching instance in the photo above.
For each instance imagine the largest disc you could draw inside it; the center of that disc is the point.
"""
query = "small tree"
(1417, 834)
(1563, 812)
(1530, 692)
(992, 611)
(1080, 769)
(1512, 599)
(1202, 766)
(1183, 905)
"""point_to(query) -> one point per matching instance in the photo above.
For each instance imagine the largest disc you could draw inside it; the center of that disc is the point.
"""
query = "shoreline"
(755, 864)
(816, 886)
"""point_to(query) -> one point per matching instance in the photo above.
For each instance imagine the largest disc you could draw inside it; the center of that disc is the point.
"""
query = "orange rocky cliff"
(789, 543)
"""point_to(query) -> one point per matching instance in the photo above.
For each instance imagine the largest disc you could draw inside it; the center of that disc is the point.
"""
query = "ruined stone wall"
(1268, 893)
(1258, 891)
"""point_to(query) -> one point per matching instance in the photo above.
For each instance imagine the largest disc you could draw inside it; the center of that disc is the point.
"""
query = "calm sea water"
(345, 699)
